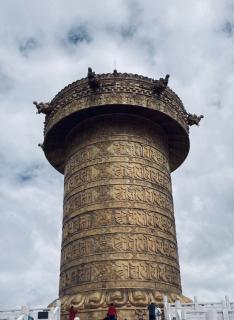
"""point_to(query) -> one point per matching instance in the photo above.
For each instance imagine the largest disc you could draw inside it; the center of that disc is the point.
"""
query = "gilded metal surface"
(122, 89)
(116, 147)
(128, 302)
(122, 93)
(119, 231)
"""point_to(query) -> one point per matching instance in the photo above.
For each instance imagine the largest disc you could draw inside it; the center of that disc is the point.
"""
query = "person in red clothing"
(112, 312)
(72, 313)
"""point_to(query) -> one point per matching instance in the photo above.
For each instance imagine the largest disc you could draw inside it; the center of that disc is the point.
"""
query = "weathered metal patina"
(116, 138)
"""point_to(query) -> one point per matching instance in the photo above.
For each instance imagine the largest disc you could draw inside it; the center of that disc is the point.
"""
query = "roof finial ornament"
(193, 119)
(115, 72)
(43, 107)
(160, 85)
(94, 83)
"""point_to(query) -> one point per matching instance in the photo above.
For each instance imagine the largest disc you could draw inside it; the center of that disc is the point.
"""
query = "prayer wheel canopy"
(117, 93)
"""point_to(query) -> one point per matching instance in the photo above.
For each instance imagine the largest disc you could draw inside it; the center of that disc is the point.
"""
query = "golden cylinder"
(119, 240)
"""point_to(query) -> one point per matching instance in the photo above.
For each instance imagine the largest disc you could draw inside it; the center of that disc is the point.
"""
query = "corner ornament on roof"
(43, 107)
(160, 85)
(94, 83)
(193, 119)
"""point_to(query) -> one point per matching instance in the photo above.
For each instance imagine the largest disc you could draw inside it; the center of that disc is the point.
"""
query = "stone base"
(130, 303)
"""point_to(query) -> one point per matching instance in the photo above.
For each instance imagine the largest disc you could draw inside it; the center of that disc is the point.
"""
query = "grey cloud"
(6, 82)
(228, 28)
(128, 31)
(217, 104)
(151, 39)
(78, 34)
(132, 26)
(27, 46)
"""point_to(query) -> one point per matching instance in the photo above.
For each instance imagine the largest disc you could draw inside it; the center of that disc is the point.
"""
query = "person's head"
(112, 304)
(71, 307)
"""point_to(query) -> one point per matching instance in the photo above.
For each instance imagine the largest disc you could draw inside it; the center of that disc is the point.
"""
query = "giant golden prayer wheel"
(116, 138)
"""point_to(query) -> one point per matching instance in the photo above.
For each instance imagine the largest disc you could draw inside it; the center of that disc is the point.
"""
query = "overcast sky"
(47, 44)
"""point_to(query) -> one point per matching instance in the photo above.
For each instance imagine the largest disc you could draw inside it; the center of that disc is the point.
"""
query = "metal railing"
(36, 313)
(223, 310)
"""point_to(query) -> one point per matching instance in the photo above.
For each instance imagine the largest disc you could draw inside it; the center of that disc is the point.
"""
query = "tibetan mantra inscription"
(119, 229)
(117, 138)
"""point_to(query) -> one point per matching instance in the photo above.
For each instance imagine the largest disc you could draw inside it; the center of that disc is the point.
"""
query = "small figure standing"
(72, 313)
(152, 307)
(112, 312)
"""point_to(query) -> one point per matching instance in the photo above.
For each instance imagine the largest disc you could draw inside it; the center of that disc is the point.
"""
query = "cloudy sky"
(45, 45)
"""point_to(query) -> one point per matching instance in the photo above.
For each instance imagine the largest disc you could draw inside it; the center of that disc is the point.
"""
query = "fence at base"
(223, 310)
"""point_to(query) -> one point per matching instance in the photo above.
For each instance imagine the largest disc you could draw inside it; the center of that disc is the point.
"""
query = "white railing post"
(178, 309)
(55, 311)
(25, 310)
(225, 314)
(23, 313)
(227, 302)
(183, 314)
(165, 307)
(211, 314)
(165, 300)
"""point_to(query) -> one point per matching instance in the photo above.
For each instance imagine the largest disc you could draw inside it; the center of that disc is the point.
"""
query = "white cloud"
(191, 40)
